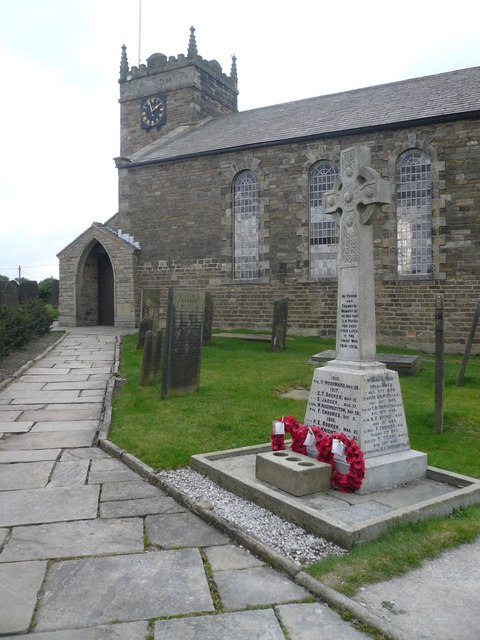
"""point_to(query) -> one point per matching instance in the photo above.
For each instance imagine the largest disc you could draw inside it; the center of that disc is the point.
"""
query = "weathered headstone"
(468, 347)
(3, 284)
(12, 294)
(54, 293)
(279, 326)
(151, 306)
(354, 393)
(183, 342)
(208, 319)
(152, 357)
(439, 362)
(145, 325)
(28, 291)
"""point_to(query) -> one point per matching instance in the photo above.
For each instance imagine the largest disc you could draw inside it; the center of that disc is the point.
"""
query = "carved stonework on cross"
(354, 201)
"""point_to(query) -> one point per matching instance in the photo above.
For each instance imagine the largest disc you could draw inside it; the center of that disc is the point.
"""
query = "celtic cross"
(354, 202)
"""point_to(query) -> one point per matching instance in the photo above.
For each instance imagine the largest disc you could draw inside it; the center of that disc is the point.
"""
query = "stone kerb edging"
(30, 363)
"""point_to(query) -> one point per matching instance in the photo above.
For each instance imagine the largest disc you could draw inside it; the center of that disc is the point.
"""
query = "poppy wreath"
(344, 482)
(299, 433)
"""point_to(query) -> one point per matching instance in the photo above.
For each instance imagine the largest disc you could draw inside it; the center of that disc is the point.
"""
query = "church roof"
(445, 96)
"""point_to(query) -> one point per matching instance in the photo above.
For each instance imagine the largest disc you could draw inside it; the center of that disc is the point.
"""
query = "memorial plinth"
(354, 393)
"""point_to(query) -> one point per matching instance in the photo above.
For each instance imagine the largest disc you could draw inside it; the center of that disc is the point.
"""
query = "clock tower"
(167, 93)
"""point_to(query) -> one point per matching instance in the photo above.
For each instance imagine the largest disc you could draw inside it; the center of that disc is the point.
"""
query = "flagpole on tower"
(139, 30)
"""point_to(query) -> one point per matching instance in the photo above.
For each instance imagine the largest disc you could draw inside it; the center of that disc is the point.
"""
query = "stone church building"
(231, 203)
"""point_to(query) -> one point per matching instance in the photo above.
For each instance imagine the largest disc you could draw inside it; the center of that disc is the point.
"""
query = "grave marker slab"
(152, 358)
(12, 294)
(145, 325)
(151, 306)
(183, 342)
(355, 394)
(279, 326)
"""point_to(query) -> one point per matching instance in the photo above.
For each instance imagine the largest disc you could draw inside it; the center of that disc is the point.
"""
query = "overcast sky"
(60, 59)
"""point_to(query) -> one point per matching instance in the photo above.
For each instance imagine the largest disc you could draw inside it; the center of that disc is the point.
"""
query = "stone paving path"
(89, 550)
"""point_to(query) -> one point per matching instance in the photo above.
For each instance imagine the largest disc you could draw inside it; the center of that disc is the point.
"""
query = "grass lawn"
(239, 396)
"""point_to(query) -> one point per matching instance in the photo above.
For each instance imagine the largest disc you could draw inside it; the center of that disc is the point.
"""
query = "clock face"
(153, 112)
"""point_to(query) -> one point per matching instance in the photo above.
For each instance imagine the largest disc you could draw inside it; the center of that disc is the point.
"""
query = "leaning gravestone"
(208, 319)
(152, 357)
(145, 325)
(354, 393)
(12, 294)
(279, 326)
(183, 342)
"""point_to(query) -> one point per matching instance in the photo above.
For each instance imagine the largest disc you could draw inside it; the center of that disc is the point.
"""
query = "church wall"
(181, 213)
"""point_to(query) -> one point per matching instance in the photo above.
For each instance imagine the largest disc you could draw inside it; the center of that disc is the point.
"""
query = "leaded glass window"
(414, 213)
(324, 231)
(245, 240)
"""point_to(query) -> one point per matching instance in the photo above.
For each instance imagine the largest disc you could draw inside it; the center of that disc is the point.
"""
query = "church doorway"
(95, 287)
(105, 290)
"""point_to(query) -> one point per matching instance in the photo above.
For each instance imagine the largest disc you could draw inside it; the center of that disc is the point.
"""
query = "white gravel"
(286, 538)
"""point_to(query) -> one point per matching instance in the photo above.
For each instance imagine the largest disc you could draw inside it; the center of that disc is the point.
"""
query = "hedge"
(18, 326)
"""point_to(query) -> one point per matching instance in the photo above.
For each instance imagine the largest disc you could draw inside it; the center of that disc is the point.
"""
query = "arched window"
(245, 232)
(414, 213)
(324, 231)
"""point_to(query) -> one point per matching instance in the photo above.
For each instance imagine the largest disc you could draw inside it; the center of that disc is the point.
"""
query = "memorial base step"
(393, 470)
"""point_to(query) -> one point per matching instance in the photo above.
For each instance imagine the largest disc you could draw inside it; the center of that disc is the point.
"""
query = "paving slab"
(308, 620)
(182, 530)
(29, 455)
(47, 371)
(108, 464)
(139, 507)
(11, 415)
(229, 556)
(70, 474)
(99, 477)
(15, 427)
(71, 385)
(254, 625)
(24, 475)
(243, 588)
(440, 600)
(71, 539)
(48, 439)
(84, 593)
(63, 412)
(60, 378)
(35, 506)
(54, 397)
(121, 631)
(129, 490)
(83, 453)
(66, 425)
(20, 583)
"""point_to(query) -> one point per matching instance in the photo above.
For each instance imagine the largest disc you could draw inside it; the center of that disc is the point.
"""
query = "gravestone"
(183, 342)
(355, 394)
(208, 319)
(3, 284)
(54, 293)
(151, 306)
(152, 357)
(145, 325)
(28, 291)
(12, 294)
(279, 326)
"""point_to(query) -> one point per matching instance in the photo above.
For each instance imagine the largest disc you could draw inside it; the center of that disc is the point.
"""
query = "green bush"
(17, 326)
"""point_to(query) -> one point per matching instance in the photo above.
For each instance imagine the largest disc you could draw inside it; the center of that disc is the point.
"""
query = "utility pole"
(19, 273)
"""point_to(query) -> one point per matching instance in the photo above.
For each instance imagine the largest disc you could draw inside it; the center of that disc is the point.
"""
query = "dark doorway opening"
(105, 290)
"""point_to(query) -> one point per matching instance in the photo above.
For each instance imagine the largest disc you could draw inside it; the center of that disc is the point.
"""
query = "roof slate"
(439, 96)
